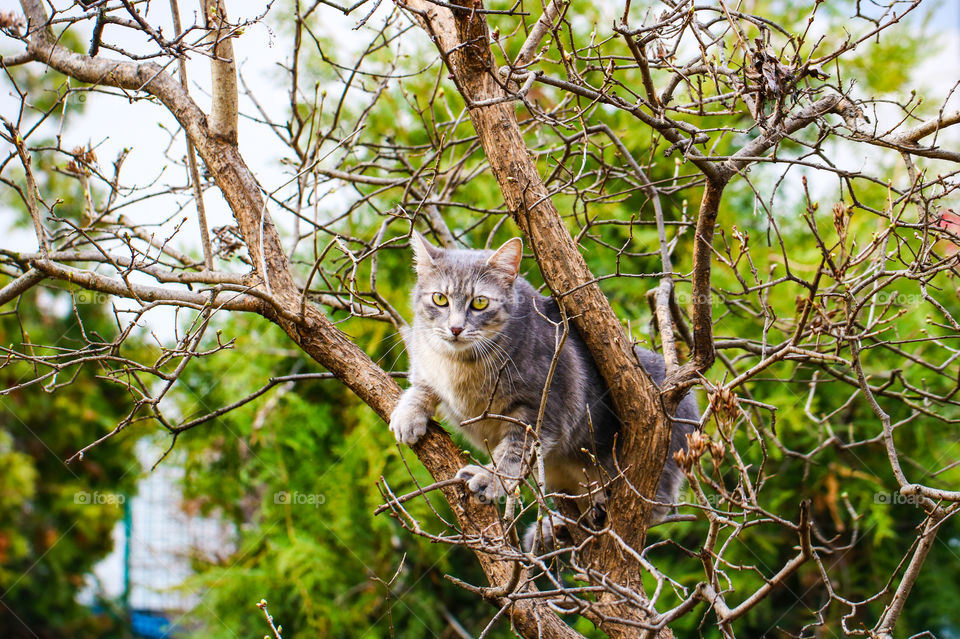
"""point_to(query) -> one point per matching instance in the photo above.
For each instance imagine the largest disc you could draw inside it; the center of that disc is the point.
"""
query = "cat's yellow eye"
(440, 299)
(479, 303)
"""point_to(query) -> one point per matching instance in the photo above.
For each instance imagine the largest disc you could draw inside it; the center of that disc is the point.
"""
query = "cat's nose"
(456, 330)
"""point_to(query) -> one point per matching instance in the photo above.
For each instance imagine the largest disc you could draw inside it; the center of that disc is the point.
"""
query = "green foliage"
(296, 471)
(297, 474)
(297, 557)
(56, 520)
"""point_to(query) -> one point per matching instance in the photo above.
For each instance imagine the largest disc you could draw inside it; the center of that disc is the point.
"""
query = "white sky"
(112, 124)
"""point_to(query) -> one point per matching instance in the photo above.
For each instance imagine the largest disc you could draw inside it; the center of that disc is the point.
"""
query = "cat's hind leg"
(508, 468)
(547, 533)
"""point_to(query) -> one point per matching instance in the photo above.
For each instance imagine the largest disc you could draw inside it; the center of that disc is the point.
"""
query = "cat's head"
(463, 297)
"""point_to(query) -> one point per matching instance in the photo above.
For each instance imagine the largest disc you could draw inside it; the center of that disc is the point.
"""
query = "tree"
(847, 303)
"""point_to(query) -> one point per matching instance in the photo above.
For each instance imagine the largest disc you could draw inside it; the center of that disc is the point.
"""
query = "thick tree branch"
(218, 297)
(540, 28)
(891, 614)
(312, 331)
(904, 141)
(807, 115)
(191, 154)
(702, 297)
(223, 72)
(462, 37)
(20, 285)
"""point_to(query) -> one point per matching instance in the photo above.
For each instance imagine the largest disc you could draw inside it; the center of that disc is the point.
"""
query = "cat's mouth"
(466, 344)
(459, 344)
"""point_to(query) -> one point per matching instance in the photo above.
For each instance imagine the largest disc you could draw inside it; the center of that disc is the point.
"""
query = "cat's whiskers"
(390, 350)
(501, 351)
(491, 368)
(484, 363)
(494, 350)
(446, 345)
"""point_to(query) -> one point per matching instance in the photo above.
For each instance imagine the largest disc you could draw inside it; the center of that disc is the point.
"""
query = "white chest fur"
(464, 388)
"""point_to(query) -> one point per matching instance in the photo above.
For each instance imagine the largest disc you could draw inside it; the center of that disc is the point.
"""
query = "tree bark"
(223, 73)
(463, 39)
(314, 332)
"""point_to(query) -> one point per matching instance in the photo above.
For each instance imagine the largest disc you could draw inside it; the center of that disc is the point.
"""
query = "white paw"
(481, 481)
(408, 425)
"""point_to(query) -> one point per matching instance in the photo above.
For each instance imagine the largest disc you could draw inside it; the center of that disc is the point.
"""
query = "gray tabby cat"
(481, 343)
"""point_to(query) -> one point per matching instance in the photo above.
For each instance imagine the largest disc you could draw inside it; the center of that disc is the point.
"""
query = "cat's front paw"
(483, 482)
(407, 423)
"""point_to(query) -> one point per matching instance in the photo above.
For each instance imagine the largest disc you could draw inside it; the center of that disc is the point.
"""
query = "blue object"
(151, 625)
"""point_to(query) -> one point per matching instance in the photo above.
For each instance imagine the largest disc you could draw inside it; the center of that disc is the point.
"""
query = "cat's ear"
(507, 257)
(424, 253)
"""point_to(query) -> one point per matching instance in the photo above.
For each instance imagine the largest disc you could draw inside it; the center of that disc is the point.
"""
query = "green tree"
(826, 294)
(57, 519)
(298, 473)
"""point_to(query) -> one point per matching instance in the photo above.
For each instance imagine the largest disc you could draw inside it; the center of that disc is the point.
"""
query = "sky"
(144, 127)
